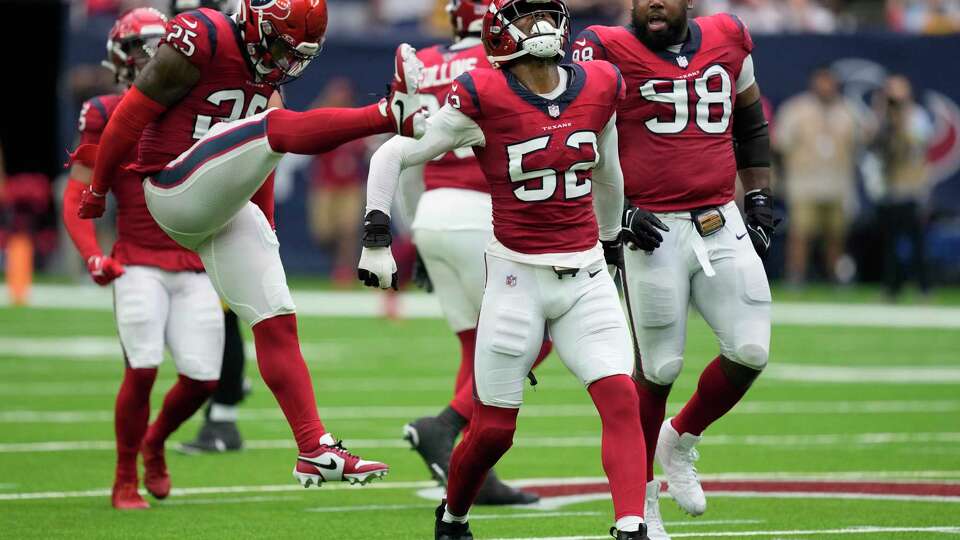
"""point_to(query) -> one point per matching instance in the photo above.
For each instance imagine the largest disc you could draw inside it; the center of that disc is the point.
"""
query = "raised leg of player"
(320, 130)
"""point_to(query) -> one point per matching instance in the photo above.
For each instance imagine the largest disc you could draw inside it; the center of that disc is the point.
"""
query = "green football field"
(852, 433)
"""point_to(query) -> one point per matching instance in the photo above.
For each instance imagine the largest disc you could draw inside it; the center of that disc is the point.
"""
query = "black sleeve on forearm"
(751, 137)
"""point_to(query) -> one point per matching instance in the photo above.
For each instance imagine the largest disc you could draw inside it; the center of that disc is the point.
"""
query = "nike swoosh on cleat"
(331, 466)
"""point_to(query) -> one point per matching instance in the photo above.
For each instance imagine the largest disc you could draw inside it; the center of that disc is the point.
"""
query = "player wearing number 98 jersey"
(198, 111)
(545, 137)
(691, 121)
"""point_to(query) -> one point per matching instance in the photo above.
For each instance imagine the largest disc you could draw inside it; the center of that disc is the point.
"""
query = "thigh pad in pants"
(141, 304)
(195, 330)
(243, 262)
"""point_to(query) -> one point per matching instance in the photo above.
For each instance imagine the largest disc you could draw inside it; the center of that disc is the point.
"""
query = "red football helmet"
(505, 42)
(282, 36)
(133, 41)
(466, 16)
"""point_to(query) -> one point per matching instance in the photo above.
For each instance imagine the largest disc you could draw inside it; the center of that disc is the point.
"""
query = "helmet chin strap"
(546, 40)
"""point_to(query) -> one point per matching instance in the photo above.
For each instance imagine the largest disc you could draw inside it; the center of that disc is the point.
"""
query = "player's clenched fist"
(377, 267)
(104, 270)
(92, 204)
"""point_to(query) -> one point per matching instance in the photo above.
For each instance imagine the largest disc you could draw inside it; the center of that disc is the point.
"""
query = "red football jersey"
(540, 153)
(457, 169)
(676, 142)
(226, 90)
(139, 240)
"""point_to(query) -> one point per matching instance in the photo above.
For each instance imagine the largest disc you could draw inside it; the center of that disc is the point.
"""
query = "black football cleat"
(450, 531)
(630, 535)
(494, 492)
(433, 439)
(214, 437)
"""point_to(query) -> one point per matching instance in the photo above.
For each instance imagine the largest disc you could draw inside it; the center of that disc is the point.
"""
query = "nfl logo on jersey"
(682, 61)
(511, 281)
(554, 110)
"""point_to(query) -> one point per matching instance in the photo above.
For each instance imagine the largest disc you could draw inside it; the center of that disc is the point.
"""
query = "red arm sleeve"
(127, 123)
(264, 199)
(81, 231)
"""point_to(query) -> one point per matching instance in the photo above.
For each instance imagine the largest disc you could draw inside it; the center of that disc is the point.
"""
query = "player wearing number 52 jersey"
(691, 121)
(452, 227)
(545, 137)
(207, 141)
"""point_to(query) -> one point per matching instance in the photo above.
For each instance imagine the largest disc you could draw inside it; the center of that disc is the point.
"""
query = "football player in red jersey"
(451, 229)
(198, 113)
(693, 120)
(162, 297)
(545, 137)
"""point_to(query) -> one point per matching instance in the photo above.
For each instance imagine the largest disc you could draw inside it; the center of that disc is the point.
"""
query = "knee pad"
(662, 372)
(751, 355)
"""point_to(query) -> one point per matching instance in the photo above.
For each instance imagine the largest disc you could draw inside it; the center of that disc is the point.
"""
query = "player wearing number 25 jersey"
(691, 121)
(198, 111)
(545, 137)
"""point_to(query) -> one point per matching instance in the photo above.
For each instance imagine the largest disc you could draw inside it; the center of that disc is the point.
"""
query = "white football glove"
(377, 268)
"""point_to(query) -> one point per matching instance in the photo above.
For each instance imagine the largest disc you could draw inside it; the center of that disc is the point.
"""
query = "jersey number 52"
(574, 187)
(713, 107)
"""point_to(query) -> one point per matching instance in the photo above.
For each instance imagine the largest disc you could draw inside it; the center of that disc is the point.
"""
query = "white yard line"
(792, 441)
(799, 532)
(420, 305)
(529, 411)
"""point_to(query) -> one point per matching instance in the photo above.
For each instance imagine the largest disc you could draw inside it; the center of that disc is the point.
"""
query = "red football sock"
(653, 409)
(714, 397)
(463, 388)
(321, 130)
(489, 438)
(185, 397)
(285, 373)
(622, 448)
(131, 415)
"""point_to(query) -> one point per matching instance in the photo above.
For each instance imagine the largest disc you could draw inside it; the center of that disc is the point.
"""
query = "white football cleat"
(331, 462)
(404, 106)
(677, 454)
(651, 513)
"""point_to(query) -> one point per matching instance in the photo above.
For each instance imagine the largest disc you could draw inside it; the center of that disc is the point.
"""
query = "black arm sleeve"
(751, 137)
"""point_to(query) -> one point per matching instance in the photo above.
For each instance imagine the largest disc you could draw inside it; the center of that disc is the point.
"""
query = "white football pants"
(202, 200)
(181, 310)
(721, 275)
(582, 314)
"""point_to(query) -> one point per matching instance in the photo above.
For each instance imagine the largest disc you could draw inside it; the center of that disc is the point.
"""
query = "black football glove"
(420, 276)
(377, 267)
(639, 229)
(758, 206)
(613, 256)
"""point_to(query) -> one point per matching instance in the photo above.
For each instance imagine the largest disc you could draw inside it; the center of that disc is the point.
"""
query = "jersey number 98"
(678, 95)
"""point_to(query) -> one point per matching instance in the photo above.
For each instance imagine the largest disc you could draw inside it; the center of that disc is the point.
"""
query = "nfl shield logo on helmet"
(511, 281)
(682, 61)
(554, 110)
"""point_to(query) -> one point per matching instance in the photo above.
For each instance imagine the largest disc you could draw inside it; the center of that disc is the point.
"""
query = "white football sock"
(629, 523)
(450, 518)
(223, 413)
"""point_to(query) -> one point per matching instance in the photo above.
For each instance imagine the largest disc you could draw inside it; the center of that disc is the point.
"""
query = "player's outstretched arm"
(752, 149)
(163, 82)
(446, 131)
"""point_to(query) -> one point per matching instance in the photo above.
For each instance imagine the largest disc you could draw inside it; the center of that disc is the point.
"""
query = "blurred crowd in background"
(852, 168)
(763, 16)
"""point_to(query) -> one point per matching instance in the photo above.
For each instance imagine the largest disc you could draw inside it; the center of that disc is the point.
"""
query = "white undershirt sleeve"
(411, 188)
(447, 130)
(746, 78)
(608, 183)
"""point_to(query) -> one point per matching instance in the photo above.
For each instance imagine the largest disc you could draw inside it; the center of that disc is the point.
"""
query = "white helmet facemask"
(545, 40)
